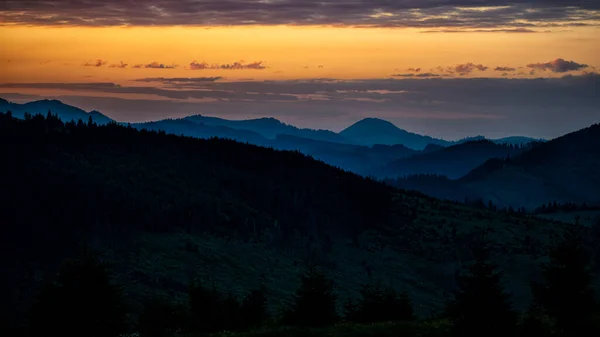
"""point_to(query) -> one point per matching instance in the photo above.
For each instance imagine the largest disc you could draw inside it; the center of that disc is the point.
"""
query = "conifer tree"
(205, 307)
(566, 293)
(160, 318)
(481, 307)
(254, 308)
(380, 304)
(314, 302)
(82, 297)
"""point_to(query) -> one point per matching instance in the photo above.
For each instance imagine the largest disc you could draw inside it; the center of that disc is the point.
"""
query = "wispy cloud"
(467, 68)
(558, 66)
(259, 65)
(519, 16)
(548, 106)
(417, 75)
(504, 30)
(504, 69)
(157, 65)
(97, 63)
(118, 65)
(179, 80)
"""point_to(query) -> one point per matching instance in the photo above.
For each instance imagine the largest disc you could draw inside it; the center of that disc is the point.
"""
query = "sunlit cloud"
(97, 63)
(118, 65)
(504, 69)
(195, 65)
(417, 75)
(157, 65)
(558, 66)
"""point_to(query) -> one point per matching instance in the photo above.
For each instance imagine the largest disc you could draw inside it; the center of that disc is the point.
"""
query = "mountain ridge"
(261, 125)
(453, 161)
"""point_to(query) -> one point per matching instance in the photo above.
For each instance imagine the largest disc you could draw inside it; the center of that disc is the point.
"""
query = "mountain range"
(64, 111)
(474, 167)
(565, 169)
(453, 161)
(366, 132)
(166, 209)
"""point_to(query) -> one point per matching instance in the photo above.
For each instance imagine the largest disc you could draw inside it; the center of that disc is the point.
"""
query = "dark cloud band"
(485, 15)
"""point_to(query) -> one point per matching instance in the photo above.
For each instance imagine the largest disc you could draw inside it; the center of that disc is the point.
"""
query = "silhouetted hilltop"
(565, 169)
(453, 161)
(518, 140)
(432, 148)
(189, 128)
(65, 111)
(269, 128)
(371, 131)
(356, 158)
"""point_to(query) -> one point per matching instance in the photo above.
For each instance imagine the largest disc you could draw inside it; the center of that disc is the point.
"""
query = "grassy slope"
(151, 202)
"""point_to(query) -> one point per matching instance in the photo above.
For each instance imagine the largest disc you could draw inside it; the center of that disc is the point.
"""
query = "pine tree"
(81, 298)
(314, 302)
(254, 308)
(160, 318)
(380, 304)
(566, 293)
(481, 307)
(205, 307)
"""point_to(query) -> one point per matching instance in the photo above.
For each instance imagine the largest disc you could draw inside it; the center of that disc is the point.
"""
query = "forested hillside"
(165, 209)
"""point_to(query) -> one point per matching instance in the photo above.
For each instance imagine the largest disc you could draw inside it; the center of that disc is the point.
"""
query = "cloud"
(195, 65)
(138, 66)
(156, 65)
(507, 30)
(447, 107)
(118, 65)
(558, 66)
(484, 92)
(417, 75)
(485, 15)
(416, 70)
(179, 80)
(504, 69)
(97, 63)
(466, 68)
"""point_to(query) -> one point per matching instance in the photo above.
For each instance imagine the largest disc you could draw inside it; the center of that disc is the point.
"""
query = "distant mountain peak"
(374, 122)
(370, 131)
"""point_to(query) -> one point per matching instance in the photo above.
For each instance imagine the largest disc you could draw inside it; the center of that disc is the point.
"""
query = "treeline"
(552, 207)
(82, 300)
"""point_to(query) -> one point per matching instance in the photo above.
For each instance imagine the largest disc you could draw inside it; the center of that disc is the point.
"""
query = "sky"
(446, 68)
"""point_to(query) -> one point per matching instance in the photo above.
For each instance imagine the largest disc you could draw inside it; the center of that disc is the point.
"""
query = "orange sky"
(43, 54)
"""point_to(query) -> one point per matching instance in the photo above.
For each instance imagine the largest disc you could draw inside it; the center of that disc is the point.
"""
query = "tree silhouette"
(81, 298)
(566, 293)
(380, 304)
(160, 318)
(481, 307)
(254, 308)
(205, 305)
(314, 302)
